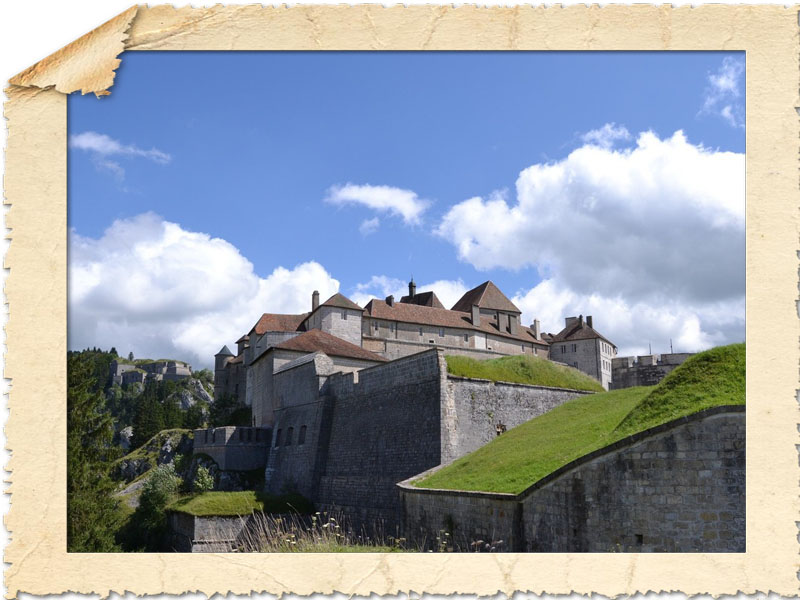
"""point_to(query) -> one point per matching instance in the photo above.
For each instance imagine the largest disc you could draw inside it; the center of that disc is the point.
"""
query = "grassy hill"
(531, 370)
(526, 454)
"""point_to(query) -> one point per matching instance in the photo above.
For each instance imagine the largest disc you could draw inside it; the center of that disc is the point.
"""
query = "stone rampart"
(382, 429)
(234, 448)
(630, 371)
(189, 533)
(678, 487)
(478, 410)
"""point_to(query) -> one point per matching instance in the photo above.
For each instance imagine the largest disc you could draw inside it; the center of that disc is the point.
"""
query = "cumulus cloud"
(379, 286)
(369, 226)
(723, 94)
(380, 198)
(102, 147)
(648, 237)
(606, 136)
(151, 287)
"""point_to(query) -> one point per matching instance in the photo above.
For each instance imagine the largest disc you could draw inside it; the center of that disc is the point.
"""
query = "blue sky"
(353, 171)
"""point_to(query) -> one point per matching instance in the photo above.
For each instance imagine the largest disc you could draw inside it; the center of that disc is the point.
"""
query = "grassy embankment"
(282, 523)
(231, 504)
(526, 454)
(531, 370)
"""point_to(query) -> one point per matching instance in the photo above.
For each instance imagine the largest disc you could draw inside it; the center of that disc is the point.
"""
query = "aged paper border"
(35, 187)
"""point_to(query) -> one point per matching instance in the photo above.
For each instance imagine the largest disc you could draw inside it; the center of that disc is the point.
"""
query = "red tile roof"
(579, 330)
(423, 299)
(441, 317)
(486, 295)
(316, 340)
(273, 322)
(341, 301)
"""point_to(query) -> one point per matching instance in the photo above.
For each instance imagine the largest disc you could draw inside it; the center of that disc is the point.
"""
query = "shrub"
(203, 481)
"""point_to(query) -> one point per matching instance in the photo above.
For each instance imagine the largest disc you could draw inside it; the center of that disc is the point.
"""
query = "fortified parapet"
(649, 369)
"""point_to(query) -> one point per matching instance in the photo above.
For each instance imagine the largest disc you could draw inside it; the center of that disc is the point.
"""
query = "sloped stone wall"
(679, 487)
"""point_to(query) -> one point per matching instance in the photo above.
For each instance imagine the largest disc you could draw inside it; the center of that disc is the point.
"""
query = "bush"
(203, 481)
(148, 526)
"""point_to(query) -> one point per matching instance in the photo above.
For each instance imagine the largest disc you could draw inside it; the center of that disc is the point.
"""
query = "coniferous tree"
(91, 510)
(149, 418)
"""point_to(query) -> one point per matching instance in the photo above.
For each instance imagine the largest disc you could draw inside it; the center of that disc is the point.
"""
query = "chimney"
(476, 315)
(536, 331)
(580, 320)
(314, 301)
(390, 300)
(589, 320)
(412, 288)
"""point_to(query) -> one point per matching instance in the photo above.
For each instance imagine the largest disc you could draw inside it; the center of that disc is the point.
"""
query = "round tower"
(220, 380)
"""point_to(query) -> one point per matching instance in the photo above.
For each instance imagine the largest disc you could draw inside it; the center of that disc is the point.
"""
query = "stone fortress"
(124, 372)
(348, 402)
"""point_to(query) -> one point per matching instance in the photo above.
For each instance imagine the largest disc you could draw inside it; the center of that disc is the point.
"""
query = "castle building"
(483, 324)
(126, 372)
(579, 345)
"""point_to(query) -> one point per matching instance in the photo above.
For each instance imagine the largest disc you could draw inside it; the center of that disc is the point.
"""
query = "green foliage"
(203, 481)
(205, 376)
(227, 410)
(91, 511)
(149, 417)
(195, 416)
(147, 527)
(531, 370)
(712, 378)
(525, 454)
(229, 504)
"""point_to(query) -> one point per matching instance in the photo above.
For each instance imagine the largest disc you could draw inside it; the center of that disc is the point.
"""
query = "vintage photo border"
(36, 190)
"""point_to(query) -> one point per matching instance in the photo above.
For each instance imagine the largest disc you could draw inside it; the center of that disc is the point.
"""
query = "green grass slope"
(229, 504)
(531, 370)
(526, 454)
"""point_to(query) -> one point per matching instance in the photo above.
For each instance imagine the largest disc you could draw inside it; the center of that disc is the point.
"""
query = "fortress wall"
(398, 348)
(679, 487)
(383, 429)
(478, 408)
(296, 432)
(234, 448)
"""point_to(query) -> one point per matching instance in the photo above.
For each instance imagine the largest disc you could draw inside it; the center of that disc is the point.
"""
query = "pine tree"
(92, 513)
(149, 417)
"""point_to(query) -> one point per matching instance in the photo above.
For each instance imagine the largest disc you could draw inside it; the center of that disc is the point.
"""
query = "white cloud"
(369, 226)
(650, 238)
(381, 198)
(380, 286)
(101, 147)
(723, 95)
(606, 135)
(154, 288)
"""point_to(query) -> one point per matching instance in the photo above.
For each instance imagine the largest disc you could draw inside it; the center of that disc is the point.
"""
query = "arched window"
(302, 438)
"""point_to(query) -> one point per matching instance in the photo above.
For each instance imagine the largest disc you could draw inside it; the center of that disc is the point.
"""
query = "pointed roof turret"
(225, 351)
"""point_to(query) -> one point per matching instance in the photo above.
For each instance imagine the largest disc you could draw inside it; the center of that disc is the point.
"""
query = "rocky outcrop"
(159, 450)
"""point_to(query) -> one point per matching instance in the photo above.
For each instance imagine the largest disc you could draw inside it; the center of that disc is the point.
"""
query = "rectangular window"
(420, 332)
(441, 332)
(391, 327)
(563, 349)
(302, 438)
(574, 347)
(376, 326)
(466, 337)
(289, 433)
(344, 314)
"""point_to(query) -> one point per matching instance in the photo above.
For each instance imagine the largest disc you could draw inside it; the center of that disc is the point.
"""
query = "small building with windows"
(579, 345)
